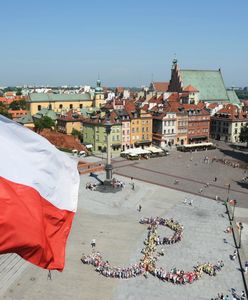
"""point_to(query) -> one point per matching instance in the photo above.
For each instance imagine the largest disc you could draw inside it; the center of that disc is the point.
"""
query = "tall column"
(108, 167)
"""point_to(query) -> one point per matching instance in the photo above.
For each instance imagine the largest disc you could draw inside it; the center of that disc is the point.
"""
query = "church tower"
(99, 95)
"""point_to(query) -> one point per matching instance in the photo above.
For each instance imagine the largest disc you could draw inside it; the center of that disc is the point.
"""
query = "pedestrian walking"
(234, 254)
(185, 200)
(93, 243)
(139, 208)
(242, 295)
(191, 202)
(201, 190)
(227, 297)
(215, 179)
(49, 275)
(132, 183)
(246, 267)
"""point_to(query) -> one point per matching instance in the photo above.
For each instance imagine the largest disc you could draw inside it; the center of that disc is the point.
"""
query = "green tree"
(44, 122)
(4, 111)
(18, 104)
(244, 135)
(18, 92)
(77, 133)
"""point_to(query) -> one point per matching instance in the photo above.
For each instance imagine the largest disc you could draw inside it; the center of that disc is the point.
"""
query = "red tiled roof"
(120, 89)
(173, 97)
(232, 112)
(161, 86)
(145, 107)
(190, 89)
(154, 99)
(61, 140)
(71, 116)
(130, 106)
(212, 105)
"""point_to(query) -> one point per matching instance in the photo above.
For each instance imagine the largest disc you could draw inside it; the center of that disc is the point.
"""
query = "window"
(132, 130)
(143, 129)
(164, 131)
(169, 131)
(137, 129)
(50, 106)
(147, 129)
(143, 136)
(39, 107)
(117, 137)
(61, 106)
(113, 138)
(128, 132)
(172, 130)
(80, 105)
(97, 137)
(123, 132)
(71, 106)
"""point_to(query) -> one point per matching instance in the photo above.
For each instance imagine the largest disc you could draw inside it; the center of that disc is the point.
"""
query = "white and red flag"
(38, 196)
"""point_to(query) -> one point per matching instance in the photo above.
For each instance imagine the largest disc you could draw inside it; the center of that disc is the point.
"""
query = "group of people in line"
(104, 268)
(181, 277)
(233, 164)
(173, 225)
(147, 263)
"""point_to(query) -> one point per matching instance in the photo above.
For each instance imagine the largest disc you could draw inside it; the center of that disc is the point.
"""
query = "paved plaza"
(113, 220)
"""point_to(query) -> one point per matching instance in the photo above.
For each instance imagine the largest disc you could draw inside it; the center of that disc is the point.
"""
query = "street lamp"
(234, 204)
(228, 190)
(240, 232)
(108, 167)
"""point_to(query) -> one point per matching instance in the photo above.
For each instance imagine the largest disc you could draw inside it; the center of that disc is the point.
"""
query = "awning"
(89, 146)
(198, 137)
(143, 142)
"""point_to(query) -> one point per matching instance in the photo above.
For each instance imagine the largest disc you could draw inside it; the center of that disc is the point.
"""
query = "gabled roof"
(174, 97)
(161, 86)
(27, 119)
(190, 89)
(209, 83)
(47, 97)
(233, 98)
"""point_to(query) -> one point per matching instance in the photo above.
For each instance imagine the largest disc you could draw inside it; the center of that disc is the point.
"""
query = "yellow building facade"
(140, 129)
(58, 102)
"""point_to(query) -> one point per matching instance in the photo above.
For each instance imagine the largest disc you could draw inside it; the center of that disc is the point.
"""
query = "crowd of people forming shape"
(147, 263)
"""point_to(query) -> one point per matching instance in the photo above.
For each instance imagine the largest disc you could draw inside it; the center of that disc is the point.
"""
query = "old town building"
(58, 102)
(94, 133)
(69, 121)
(198, 123)
(209, 84)
(226, 123)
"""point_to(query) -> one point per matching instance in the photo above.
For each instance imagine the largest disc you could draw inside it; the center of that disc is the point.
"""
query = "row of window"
(60, 106)
(143, 129)
(143, 137)
(169, 123)
(169, 131)
(114, 138)
(182, 123)
(197, 131)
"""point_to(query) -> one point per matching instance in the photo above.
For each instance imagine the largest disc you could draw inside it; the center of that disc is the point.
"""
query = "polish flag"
(38, 196)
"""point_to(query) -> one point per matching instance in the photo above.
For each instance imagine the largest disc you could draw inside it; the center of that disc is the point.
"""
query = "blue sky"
(126, 42)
